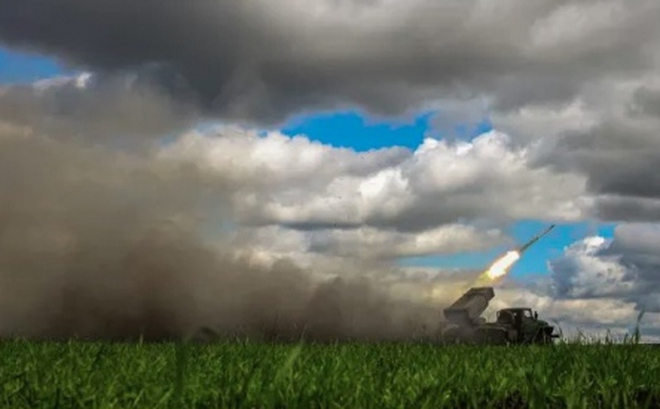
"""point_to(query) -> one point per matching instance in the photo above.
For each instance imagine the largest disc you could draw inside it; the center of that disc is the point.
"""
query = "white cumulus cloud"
(309, 185)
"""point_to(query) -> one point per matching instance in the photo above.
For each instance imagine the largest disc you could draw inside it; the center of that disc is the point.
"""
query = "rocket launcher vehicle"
(520, 325)
(467, 310)
(513, 325)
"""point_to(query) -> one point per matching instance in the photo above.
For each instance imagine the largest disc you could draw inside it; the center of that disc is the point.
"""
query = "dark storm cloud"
(260, 61)
(619, 156)
(618, 152)
(647, 102)
(628, 209)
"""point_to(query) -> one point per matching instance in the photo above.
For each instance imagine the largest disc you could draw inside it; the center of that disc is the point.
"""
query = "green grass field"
(258, 375)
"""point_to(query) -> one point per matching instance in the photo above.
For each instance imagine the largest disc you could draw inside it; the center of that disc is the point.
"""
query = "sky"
(431, 136)
(23, 67)
(357, 132)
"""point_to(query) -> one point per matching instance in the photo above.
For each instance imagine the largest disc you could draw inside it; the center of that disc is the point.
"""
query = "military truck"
(512, 326)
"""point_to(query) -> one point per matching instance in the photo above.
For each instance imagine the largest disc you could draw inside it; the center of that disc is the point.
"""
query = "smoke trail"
(101, 244)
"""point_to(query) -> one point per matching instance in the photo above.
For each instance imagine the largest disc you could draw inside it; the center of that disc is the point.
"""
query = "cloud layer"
(439, 183)
(580, 75)
(260, 61)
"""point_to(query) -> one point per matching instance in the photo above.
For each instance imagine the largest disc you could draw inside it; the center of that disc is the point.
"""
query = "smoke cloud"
(101, 244)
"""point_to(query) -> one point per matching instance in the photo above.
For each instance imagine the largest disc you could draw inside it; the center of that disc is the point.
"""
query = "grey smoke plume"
(88, 107)
(102, 244)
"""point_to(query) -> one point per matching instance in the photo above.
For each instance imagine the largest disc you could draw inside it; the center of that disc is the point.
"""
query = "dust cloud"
(100, 243)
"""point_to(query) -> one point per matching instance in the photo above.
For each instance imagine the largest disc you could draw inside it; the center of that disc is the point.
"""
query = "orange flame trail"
(502, 265)
(499, 268)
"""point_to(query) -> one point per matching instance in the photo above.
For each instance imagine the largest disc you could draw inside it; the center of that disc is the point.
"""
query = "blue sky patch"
(533, 261)
(350, 129)
(22, 67)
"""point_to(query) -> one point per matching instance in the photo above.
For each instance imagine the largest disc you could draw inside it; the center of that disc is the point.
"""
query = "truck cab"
(524, 325)
(516, 315)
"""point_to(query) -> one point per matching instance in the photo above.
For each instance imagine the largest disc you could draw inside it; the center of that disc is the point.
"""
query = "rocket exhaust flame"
(502, 265)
